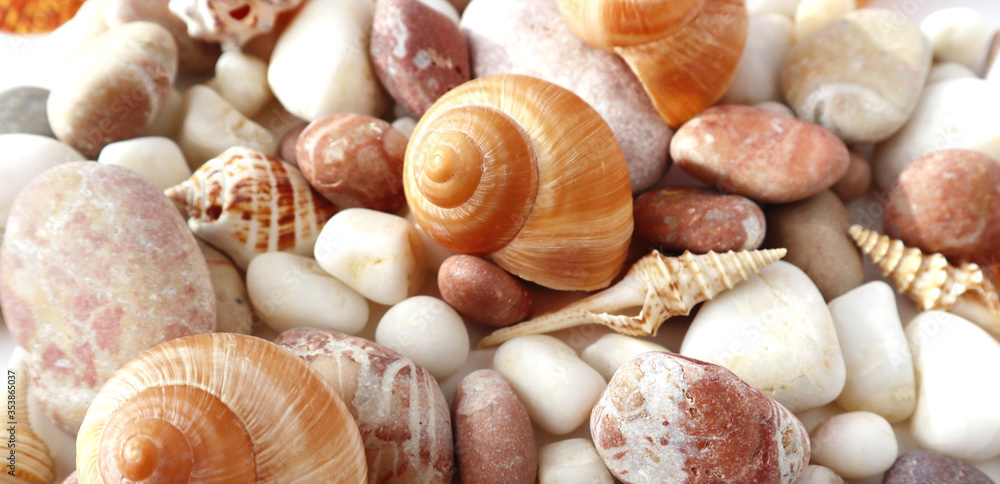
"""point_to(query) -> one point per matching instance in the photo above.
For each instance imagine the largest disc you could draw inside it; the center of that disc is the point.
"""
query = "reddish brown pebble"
(679, 219)
(354, 161)
(929, 467)
(418, 53)
(96, 267)
(759, 154)
(114, 86)
(289, 143)
(494, 440)
(483, 292)
(400, 411)
(856, 181)
(668, 418)
(948, 202)
(814, 231)
(193, 56)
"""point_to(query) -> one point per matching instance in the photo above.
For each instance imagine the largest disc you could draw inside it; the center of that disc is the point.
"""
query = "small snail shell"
(218, 408)
(527, 173)
(245, 203)
(685, 52)
(33, 464)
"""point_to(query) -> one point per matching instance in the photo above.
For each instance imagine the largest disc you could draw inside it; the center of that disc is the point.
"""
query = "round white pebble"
(291, 291)
(573, 461)
(811, 15)
(815, 474)
(958, 34)
(429, 332)
(156, 159)
(855, 445)
(947, 71)
(611, 351)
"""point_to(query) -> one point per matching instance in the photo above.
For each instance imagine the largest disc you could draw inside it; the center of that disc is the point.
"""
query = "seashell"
(931, 281)
(230, 22)
(34, 16)
(684, 52)
(218, 407)
(33, 464)
(245, 203)
(400, 410)
(662, 286)
(493, 169)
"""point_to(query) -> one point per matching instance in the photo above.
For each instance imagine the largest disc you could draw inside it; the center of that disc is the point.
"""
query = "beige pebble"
(211, 126)
(157, 159)
(947, 71)
(241, 79)
(958, 34)
(813, 14)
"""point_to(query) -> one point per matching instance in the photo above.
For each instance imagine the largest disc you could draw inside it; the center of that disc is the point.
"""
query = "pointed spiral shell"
(663, 286)
(33, 464)
(684, 52)
(246, 203)
(218, 408)
(527, 173)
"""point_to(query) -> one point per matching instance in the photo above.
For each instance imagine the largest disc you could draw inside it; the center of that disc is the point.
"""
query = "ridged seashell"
(245, 203)
(684, 52)
(931, 281)
(527, 173)
(402, 415)
(230, 22)
(662, 286)
(218, 407)
(32, 462)
(34, 16)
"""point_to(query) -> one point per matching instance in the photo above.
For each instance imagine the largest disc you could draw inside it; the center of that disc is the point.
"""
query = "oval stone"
(947, 202)
(22, 110)
(859, 76)
(97, 266)
(493, 436)
(762, 155)
(929, 467)
(483, 292)
(699, 220)
(418, 52)
(856, 181)
(667, 418)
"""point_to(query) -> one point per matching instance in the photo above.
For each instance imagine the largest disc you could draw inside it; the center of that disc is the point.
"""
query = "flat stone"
(22, 110)
(929, 467)
(530, 37)
(679, 219)
(667, 418)
(775, 332)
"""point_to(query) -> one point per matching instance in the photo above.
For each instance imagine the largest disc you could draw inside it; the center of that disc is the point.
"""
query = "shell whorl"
(663, 286)
(549, 171)
(33, 462)
(218, 407)
(246, 203)
(607, 24)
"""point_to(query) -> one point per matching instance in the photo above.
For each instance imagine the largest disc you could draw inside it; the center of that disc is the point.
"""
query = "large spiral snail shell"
(218, 408)
(527, 173)
(32, 462)
(685, 52)
(246, 203)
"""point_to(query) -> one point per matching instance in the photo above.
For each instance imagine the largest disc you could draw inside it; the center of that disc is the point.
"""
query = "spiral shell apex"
(527, 173)
(246, 203)
(684, 52)
(218, 408)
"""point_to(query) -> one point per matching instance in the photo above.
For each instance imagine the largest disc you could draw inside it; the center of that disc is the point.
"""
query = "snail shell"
(231, 22)
(931, 281)
(34, 16)
(527, 173)
(663, 286)
(33, 464)
(684, 52)
(218, 407)
(245, 203)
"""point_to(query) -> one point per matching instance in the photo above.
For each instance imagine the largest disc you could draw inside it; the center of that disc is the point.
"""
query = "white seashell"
(931, 281)
(246, 203)
(230, 22)
(663, 286)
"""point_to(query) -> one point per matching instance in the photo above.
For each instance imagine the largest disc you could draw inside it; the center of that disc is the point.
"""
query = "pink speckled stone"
(418, 53)
(668, 418)
(96, 267)
(398, 406)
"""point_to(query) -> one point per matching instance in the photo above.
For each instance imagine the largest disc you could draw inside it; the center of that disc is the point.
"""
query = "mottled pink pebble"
(929, 467)
(96, 267)
(493, 436)
(354, 160)
(698, 220)
(483, 292)
(668, 418)
(399, 408)
(418, 53)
